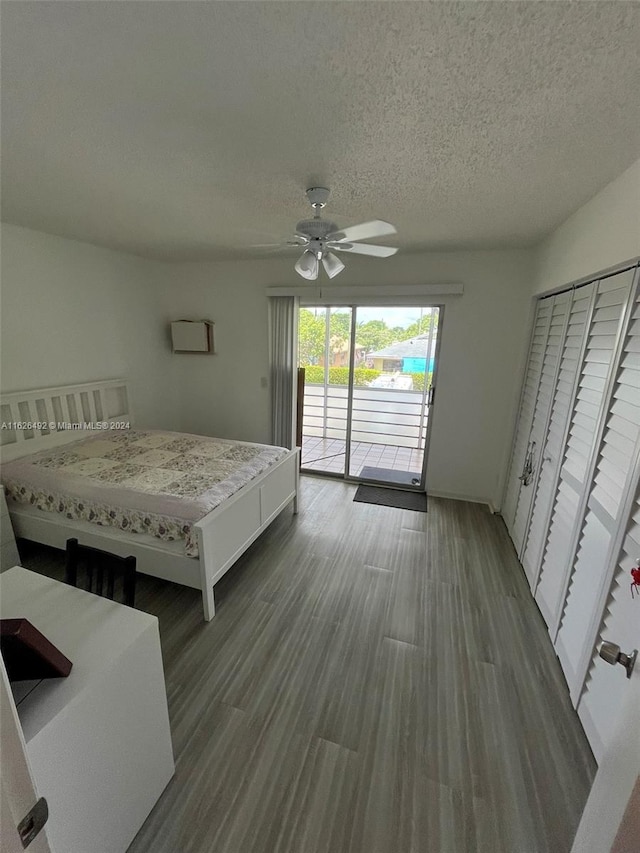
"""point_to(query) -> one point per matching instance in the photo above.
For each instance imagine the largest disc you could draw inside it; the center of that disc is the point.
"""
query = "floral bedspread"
(153, 482)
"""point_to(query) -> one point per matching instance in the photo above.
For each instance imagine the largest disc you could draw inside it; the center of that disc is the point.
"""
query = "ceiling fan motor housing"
(318, 196)
(316, 229)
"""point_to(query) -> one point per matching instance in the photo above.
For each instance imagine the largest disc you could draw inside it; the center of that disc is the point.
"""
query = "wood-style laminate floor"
(374, 681)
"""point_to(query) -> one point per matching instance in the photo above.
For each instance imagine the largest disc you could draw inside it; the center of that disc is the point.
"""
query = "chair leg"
(129, 583)
(71, 563)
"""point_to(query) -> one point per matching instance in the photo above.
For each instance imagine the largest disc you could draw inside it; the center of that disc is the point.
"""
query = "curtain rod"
(335, 293)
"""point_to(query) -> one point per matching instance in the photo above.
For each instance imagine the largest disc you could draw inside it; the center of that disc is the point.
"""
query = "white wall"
(222, 394)
(72, 313)
(484, 340)
(602, 233)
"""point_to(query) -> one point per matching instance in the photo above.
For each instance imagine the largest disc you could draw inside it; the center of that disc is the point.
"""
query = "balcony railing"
(379, 415)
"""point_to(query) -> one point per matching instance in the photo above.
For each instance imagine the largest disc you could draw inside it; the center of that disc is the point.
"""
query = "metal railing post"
(327, 344)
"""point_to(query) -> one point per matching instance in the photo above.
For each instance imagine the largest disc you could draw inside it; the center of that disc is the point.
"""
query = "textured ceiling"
(188, 130)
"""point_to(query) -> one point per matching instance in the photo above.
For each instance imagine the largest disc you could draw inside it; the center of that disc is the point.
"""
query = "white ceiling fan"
(320, 238)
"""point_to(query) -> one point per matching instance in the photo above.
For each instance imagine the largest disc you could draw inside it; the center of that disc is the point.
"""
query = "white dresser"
(8, 549)
(98, 741)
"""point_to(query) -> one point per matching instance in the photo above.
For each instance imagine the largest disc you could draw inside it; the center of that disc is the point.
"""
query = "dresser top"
(91, 631)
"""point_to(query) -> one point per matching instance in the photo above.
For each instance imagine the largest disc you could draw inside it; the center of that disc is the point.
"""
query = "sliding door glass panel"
(324, 346)
(394, 362)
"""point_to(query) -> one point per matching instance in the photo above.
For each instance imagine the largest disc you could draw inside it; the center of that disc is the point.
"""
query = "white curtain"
(283, 350)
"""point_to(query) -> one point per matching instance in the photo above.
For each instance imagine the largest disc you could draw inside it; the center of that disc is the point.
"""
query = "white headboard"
(36, 420)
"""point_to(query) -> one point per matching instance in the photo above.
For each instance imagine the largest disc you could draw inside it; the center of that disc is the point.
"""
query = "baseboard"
(453, 496)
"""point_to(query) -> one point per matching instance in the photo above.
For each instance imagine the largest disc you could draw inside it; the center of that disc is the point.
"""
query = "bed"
(186, 506)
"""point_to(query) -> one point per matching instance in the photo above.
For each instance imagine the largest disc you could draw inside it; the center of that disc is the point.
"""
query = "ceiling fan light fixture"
(307, 265)
(332, 265)
(320, 239)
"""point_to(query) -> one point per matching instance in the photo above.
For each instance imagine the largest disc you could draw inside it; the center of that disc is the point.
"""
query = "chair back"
(100, 572)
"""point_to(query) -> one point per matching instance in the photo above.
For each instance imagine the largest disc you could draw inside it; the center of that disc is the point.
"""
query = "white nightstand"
(8, 549)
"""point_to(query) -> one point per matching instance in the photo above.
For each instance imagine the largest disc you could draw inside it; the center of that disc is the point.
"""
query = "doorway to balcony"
(368, 391)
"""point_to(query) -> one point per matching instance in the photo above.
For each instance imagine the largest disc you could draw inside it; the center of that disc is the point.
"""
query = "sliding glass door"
(324, 350)
(368, 390)
(391, 394)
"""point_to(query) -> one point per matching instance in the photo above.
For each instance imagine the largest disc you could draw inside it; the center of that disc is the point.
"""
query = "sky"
(402, 317)
(392, 316)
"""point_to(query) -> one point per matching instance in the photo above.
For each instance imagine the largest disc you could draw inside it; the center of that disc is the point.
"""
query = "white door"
(611, 507)
(18, 792)
(609, 823)
(557, 429)
(604, 688)
(526, 411)
(560, 308)
(579, 457)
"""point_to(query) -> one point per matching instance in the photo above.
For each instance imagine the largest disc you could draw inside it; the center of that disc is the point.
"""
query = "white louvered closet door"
(526, 411)
(605, 685)
(555, 440)
(583, 437)
(613, 491)
(560, 307)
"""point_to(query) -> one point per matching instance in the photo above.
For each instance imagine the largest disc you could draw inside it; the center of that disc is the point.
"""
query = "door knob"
(612, 654)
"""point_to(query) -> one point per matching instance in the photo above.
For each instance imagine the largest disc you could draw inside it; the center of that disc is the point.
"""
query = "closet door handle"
(528, 467)
(610, 652)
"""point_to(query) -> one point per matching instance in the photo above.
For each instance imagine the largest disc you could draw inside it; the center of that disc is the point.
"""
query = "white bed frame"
(223, 535)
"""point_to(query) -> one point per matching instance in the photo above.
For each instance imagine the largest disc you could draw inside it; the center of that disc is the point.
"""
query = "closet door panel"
(560, 307)
(526, 410)
(575, 473)
(589, 566)
(605, 685)
(563, 400)
(614, 480)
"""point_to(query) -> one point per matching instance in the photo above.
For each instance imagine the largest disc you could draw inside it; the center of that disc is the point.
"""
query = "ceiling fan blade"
(363, 249)
(267, 246)
(363, 231)
(275, 247)
(297, 242)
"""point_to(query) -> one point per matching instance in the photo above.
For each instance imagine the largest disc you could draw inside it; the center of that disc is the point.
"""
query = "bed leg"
(208, 603)
(295, 504)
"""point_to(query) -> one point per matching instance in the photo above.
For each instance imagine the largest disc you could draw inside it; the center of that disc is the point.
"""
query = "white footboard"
(226, 532)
